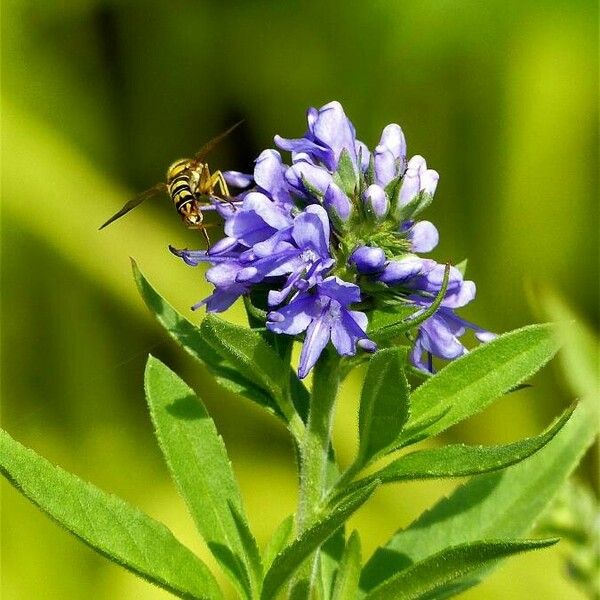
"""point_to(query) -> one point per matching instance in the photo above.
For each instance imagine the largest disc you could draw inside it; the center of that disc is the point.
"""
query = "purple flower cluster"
(331, 232)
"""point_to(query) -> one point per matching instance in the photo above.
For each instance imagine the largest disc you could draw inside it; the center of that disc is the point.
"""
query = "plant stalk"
(314, 458)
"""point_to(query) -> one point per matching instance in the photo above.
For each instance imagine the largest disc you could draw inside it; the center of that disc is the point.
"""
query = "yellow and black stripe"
(179, 185)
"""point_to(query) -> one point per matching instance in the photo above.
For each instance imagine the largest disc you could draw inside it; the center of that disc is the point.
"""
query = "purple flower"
(423, 236)
(376, 202)
(324, 314)
(390, 155)
(417, 179)
(439, 335)
(337, 203)
(269, 175)
(257, 220)
(367, 259)
(401, 270)
(329, 133)
(304, 259)
(238, 179)
(308, 180)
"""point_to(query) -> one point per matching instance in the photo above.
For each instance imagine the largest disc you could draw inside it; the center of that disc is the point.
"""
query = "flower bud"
(367, 345)
(308, 179)
(336, 202)
(390, 155)
(376, 202)
(367, 259)
(423, 236)
(403, 269)
(417, 178)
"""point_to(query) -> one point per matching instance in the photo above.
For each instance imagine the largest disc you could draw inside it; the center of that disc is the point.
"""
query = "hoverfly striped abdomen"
(179, 185)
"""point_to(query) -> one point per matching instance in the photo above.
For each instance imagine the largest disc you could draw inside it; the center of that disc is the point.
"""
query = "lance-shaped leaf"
(198, 463)
(346, 582)
(281, 537)
(504, 504)
(384, 404)
(253, 357)
(460, 460)
(191, 339)
(330, 556)
(346, 176)
(396, 329)
(452, 564)
(293, 555)
(107, 524)
(467, 385)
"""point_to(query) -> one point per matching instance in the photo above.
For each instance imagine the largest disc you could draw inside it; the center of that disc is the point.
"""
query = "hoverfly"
(188, 182)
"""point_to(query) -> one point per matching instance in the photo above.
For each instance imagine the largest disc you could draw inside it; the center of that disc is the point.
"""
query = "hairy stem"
(314, 457)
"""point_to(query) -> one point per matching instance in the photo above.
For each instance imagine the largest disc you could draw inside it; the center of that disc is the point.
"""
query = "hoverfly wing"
(153, 191)
(203, 152)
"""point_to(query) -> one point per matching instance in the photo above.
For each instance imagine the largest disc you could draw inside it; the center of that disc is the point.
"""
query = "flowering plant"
(327, 251)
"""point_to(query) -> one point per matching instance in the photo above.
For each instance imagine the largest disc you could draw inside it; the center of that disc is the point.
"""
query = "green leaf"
(253, 358)
(467, 385)
(459, 460)
(417, 205)
(580, 357)
(448, 566)
(391, 315)
(292, 557)
(281, 537)
(251, 551)
(503, 504)
(462, 266)
(346, 174)
(198, 463)
(384, 404)
(107, 524)
(396, 329)
(330, 555)
(346, 583)
(191, 339)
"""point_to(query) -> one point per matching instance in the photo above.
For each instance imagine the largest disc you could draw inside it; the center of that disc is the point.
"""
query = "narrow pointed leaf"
(251, 551)
(384, 404)
(199, 464)
(107, 524)
(293, 555)
(468, 385)
(190, 337)
(282, 345)
(503, 504)
(459, 460)
(346, 583)
(330, 556)
(252, 357)
(462, 266)
(281, 537)
(449, 565)
(346, 174)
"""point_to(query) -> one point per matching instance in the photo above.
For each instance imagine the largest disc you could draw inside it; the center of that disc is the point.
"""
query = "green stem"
(314, 455)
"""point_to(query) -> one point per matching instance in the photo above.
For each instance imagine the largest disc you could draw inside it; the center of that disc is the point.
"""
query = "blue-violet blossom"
(333, 236)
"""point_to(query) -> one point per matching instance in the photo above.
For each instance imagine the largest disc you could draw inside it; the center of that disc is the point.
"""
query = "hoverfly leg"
(221, 183)
(206, 237)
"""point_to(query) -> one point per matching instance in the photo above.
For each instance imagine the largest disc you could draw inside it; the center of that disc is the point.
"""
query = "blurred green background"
(99, 97)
